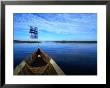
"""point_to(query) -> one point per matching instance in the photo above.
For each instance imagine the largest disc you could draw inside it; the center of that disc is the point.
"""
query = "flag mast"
(34, 33)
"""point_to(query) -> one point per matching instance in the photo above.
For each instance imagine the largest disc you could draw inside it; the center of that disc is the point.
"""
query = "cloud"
(57, 23)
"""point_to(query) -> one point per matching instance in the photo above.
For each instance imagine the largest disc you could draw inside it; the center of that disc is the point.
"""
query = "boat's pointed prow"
(38, 64)
(38, 49)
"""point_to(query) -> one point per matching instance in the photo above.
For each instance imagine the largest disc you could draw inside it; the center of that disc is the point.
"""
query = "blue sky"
(56, 26)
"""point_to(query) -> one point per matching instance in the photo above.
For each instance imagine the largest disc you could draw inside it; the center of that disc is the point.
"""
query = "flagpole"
(36, 30)
(34, 33)
(37, 37)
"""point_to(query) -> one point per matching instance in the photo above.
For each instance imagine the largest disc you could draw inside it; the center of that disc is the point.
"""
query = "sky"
(56, 26)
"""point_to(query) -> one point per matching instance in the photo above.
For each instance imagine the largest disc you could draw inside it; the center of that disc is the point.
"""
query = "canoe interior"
(35, 65)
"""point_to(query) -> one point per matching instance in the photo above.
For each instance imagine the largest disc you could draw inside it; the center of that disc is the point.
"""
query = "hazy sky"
(51, 26)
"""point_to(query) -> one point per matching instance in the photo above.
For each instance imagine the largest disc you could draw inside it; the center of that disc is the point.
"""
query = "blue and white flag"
(33, 32)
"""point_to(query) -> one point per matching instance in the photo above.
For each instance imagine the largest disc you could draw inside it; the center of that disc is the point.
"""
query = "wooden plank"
(56, 67)
(19, 67)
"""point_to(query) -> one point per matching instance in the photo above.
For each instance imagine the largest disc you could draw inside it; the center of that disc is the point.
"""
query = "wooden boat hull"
(38, 65)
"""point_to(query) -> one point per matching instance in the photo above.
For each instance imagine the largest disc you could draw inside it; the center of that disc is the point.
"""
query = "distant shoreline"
(19, 41)
(76, 41)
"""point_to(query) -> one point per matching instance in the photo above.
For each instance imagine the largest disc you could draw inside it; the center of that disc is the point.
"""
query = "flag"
(33, 32)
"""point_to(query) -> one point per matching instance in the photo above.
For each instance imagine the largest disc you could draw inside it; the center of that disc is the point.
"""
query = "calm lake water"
(73, 58)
